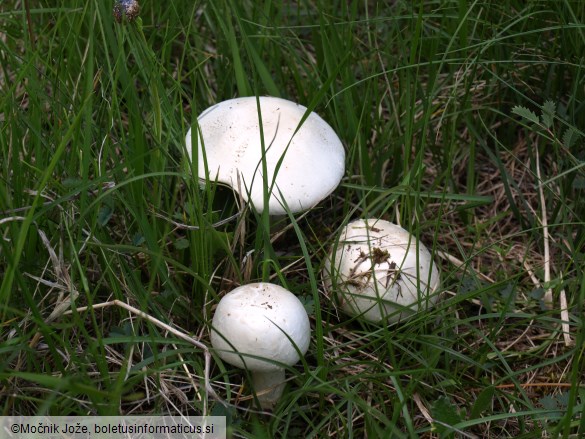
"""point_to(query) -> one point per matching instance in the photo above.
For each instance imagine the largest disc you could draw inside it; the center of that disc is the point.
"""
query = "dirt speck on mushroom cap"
(376, 273)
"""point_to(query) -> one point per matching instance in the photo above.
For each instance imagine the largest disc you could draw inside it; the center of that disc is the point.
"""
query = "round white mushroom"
(261, 327)
(305, 159)
(375, 272)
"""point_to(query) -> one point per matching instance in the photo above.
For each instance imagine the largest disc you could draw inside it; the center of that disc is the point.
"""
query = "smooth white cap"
(376, 275)
(260, 319)
(313, 158)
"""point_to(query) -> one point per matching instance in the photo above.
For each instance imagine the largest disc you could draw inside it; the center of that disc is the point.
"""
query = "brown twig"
(29, 24)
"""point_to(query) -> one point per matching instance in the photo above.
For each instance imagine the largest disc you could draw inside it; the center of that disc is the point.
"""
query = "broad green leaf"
(526, 114)
(507, 292)
(72, 182)
(570, 137)
(482, 402)
(563, 400)
(551, 405)
(548, 402)
(548, 113)
(309, 304)
(138, 239)
(181, 244)
(537, 294)
(104, 215)
(579, 183)
(446, 413)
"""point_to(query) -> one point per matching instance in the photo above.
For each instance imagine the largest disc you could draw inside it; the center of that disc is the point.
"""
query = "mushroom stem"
(268, 387)
(264, 321)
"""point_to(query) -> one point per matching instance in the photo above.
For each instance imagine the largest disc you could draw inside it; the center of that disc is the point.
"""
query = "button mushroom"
(261, 327)
(375, 273)
(305, 158)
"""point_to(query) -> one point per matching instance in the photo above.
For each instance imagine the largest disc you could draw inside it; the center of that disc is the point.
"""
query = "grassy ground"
(463, 121)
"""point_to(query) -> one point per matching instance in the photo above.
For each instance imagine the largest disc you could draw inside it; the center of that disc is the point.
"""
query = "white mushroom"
(305, 159)
(375, 273)
(261, 327)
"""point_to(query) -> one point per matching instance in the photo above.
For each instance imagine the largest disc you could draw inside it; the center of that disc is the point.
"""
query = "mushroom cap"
(376, 275)
(260, 320)
(313, 158)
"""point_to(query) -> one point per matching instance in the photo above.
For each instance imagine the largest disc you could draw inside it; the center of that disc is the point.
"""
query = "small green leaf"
(138, 239)
(570, 137)
(133, 397)
(581, 391)
(228, 412)
(579, 183)
(181, 244)
(507, 292)
(121, 331)
(446, 384)
(526, 114)
(482, 402)
(548, 402)
(104, 215)
(548, 113)
(446, 413)
(563, 400)
(308, 303)
(468, 284)
(537, 293)
(72, 182)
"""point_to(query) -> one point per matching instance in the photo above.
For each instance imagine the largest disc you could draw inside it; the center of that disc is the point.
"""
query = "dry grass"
(425, 115)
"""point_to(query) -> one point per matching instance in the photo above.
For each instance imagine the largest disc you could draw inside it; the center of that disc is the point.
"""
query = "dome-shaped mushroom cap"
(313, 158)
(373, 271)
(253, 320)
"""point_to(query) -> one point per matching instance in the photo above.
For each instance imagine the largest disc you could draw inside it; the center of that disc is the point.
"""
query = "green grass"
(424, 96)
